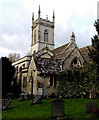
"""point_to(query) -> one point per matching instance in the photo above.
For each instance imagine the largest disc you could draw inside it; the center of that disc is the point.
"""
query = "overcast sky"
(76, 16)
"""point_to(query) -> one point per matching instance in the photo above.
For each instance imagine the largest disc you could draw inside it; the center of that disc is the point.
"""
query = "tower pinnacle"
(42, 33)
(72, 37)
(33, 17)
(46, 17)
(39, 12)
(53, 16)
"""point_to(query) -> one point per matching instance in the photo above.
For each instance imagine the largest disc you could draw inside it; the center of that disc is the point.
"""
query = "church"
(37, 73)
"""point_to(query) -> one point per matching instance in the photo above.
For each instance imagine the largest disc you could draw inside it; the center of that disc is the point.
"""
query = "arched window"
(34, 36)
(75, 63)
(46, 35)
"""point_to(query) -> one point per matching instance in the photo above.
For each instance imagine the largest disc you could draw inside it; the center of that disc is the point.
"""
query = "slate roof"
(53, 65)
(63, 55)
(47, 66)
(85, 53)
(59, 49)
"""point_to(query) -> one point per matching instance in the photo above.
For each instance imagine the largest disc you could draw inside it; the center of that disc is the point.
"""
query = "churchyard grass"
(74, 108)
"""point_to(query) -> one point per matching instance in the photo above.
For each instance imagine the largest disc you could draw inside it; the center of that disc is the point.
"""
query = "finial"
(39, 12)
(46, 17)
(72, 37)
(33, 17)
(53, 18)
(46, 47)
(53, 15)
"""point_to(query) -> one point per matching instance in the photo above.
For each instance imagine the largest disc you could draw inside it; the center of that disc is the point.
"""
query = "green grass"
(74, 108)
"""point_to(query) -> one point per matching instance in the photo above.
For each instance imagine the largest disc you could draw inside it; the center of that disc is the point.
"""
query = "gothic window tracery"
(75, 63)
(46, 35)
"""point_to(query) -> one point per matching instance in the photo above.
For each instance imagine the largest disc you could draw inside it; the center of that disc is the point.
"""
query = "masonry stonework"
(36, 73)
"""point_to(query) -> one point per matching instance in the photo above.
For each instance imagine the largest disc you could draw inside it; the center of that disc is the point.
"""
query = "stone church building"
(36, 73)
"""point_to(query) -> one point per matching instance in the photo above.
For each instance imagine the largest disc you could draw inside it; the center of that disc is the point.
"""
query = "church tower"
(42, 33)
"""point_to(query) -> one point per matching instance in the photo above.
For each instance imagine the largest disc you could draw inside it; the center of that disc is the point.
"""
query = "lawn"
(74, 108)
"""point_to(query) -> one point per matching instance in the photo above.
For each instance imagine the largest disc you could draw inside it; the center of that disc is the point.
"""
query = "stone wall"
(47, 89)
(32, 74)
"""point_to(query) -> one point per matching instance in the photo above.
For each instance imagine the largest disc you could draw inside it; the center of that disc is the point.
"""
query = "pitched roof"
(59, 49)
(63, 55)
(85, 52)
(47, 66)
(62, 52)
(43, 51)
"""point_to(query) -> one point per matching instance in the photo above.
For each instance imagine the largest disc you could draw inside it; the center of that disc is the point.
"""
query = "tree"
(94, 52)
(96, 24)
(13, 57)
(7, 75)
(76, 82)
(71, 84)
(94, 55)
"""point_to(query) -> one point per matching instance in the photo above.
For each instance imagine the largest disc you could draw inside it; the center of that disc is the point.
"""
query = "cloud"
(15, 28)
(15, 23)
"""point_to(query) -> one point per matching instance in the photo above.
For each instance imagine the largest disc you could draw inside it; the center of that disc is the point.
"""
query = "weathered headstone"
(37, 99)
(23, 96)
(57, 109)
(6, 104)
(90, 107)
(92, 94)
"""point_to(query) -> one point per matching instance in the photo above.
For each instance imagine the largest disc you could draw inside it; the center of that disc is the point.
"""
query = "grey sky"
(76, 16)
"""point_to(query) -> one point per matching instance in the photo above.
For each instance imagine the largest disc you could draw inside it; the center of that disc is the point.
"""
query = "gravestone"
(92, 94)
(90, 106)
(6, 104)
(23, 96)
(57, 109)
(37, 99)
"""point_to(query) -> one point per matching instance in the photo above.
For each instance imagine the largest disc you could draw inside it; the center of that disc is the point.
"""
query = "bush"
(76, 82)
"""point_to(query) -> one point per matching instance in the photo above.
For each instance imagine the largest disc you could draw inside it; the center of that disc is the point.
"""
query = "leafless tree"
(14, 56)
